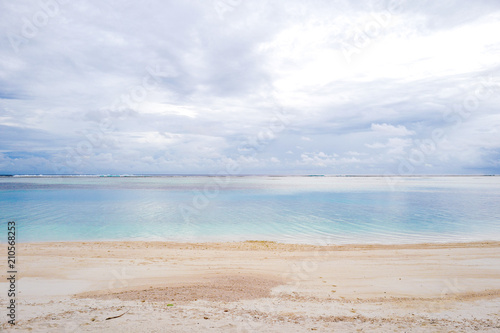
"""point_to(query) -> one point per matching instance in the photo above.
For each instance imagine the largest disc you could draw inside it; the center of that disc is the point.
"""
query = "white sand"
(255, 286)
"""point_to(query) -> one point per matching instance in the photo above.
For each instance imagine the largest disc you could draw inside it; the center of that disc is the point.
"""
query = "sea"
(312, 209)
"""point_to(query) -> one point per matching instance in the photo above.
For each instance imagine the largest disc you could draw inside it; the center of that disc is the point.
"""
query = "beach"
(255, 286)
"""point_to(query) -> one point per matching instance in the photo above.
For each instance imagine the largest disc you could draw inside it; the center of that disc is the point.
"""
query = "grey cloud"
(222, 80)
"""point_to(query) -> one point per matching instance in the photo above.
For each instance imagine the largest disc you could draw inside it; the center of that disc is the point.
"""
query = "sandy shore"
(255, 286)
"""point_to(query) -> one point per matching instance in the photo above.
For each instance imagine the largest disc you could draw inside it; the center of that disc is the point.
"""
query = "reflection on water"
(288, 209)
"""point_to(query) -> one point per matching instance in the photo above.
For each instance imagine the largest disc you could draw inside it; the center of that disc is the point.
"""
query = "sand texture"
(255, 287)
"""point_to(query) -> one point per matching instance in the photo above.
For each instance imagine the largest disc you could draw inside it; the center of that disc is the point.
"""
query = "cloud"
(394, 145)
(185, 87)
(318, 159)
(391, 130)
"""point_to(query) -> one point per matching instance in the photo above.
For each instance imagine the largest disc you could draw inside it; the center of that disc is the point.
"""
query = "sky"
(250, 87)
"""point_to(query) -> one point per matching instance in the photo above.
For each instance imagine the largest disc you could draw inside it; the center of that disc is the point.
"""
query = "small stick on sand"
(117, 316)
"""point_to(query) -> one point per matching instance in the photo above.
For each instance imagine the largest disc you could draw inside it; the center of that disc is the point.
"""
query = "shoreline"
(257, 285)
(265, 244)
(239, 175)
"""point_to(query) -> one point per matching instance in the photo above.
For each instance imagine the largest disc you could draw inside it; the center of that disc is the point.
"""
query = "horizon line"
(244, 175)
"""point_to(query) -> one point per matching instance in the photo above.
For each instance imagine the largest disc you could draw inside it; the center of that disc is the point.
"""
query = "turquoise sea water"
(317, 210)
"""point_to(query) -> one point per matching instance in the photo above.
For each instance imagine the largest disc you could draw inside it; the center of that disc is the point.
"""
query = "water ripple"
(323, 210)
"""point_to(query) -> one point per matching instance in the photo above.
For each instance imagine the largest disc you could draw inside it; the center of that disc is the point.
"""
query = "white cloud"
(391, 130)
(394, 146)
(169, 109)
(177, 87)
(375, 145)
(275, 160)
(355, 153)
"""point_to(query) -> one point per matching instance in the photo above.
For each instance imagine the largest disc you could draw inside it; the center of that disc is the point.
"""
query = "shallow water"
(318, 210)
